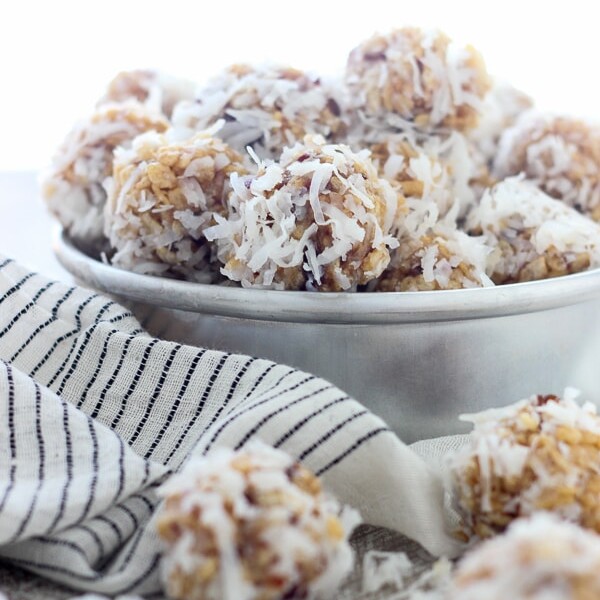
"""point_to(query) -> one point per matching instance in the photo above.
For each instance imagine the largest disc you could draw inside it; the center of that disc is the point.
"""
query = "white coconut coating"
(541, 558)
(501, 108)
(560, 154)
(73, 185)
(162, 196)
(534, 235)
(542, 453)
(444, 258)
(268, 107)
(252, 524)
(446, 170)
(415, 78)
(157, 90)
(320, 219)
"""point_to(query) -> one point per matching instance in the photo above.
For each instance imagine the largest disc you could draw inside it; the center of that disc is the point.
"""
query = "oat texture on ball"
(540, 454)
(415, 78)
(268, 107)
(533, 235)
(444, 258)
(73, 186)
(447, 170)
(541, 558)
(318, 219)
(162, 196)
(560, 154)
(252, 524)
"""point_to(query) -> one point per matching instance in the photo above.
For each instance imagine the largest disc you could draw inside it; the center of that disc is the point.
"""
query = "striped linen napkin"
(96, 414)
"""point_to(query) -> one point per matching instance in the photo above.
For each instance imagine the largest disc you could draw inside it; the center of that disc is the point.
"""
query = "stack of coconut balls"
(527, 489)
(414, 171)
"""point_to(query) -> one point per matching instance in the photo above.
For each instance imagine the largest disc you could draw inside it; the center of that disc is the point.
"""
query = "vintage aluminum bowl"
(417, 359)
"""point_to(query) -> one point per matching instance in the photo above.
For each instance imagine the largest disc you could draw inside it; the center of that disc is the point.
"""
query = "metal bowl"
(417, 359)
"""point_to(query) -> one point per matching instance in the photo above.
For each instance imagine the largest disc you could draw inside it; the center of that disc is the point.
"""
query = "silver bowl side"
(417, 359)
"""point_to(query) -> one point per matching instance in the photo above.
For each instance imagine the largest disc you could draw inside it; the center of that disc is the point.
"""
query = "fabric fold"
(96, 413)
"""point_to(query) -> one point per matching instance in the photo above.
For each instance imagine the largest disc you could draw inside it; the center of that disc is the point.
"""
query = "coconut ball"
(158, 91)
(413, 78)
(533, 235)
(73, 185)
(162, 196)
(542, 453)
(73, 188)
(560, 154)
(541, 558)
(445, 170)
(501, 108)
(413, 171)
(252, 524)
(442, 259)
(319, 219)
(267, 107)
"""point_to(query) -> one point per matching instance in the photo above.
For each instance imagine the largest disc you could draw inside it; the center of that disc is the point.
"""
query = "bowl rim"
(341, 308)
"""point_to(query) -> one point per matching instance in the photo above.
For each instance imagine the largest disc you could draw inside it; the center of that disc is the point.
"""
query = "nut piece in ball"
(252, 524)
(162, 196)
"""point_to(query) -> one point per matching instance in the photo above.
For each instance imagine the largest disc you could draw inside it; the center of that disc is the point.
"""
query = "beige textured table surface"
(26, 235)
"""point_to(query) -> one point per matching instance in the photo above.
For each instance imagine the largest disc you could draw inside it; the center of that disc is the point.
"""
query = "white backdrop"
(56, 55)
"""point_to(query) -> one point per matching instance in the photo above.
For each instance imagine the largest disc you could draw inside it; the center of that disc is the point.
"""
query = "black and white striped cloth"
(96, 413)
